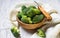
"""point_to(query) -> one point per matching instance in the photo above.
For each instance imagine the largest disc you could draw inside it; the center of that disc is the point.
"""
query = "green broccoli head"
(30, 21)
(20, 14)
(15, 31)
(30, 12)
(25, 11)
(41, 33)
(36, 11)
(38, 18)
(26, 19)
(23, 7)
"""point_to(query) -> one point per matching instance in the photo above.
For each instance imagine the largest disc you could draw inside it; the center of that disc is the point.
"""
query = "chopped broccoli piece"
(29, 20)
(25, 11)
(15, 31)
(30, 12)
(26, 19)
(36, 11)
(38, 18)
(41, 33)
(23, 7)
(19, 15)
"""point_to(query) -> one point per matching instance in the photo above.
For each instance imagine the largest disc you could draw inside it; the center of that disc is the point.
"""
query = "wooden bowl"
(30, 26)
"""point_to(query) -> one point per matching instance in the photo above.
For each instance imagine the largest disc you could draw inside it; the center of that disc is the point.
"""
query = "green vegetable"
(28, 9)
(23, 7)
(25, 11)
(31, 7)
(38, 18)
(19, 15)
(30, 12)
(36, 11)
(15, 31)
(41, 33)
(26, 19)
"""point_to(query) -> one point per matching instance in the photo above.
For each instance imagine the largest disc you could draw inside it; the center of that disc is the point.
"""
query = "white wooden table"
(6, 6)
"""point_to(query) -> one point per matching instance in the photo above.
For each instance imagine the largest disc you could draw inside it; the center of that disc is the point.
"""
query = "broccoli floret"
(19, 15)
(23, 7)
(36, 11)
(25, 11)
(15, 31)
(30, 21)
(26, 19)
(38, 18)
(41, 33)
(30, 12)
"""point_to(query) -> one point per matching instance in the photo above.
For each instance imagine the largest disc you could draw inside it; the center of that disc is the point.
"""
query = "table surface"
(7, 5)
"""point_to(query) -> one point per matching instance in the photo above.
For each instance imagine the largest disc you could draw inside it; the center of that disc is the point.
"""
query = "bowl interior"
(30, 26)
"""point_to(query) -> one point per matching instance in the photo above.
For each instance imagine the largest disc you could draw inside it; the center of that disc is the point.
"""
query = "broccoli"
(30, 21)
(25, 11)
(41, 33)
(31, 7)
(36, 11)
(26, 19)
(30, 12)
(38, 18)
(20, 14)
(15, 31)
(23, 7)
